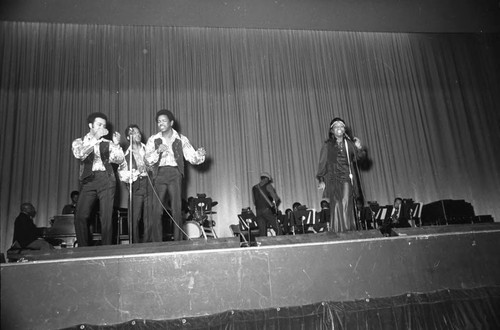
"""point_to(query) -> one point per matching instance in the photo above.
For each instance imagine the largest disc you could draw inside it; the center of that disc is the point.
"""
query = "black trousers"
(167, 182)
(141, 205)
(265, 217)
(102, 187)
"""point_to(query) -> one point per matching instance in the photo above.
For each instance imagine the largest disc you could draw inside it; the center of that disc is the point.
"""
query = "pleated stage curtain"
(447, 309)
(425, 106)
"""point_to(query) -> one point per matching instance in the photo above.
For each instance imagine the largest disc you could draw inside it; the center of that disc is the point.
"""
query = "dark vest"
(86, 165)
(178, 155)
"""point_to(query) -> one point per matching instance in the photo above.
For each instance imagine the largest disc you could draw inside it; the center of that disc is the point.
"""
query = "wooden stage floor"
(114, 284)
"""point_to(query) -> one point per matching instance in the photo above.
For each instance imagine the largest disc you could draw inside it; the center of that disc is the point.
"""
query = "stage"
(187, 280)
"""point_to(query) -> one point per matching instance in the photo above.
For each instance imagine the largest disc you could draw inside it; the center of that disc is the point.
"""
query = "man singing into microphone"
(134, 158)
(337, 175)
(97, 177)
(165, 152)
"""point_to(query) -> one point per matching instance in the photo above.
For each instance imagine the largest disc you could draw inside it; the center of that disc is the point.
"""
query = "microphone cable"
(164, 208)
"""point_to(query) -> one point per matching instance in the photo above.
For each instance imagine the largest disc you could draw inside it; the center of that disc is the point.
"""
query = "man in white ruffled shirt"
(165, 153)
(97, 178)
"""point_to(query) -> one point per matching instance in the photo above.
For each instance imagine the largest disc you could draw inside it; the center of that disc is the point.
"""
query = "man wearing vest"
(140, 183)
(266, 200)
(97, 178)
(165, 152)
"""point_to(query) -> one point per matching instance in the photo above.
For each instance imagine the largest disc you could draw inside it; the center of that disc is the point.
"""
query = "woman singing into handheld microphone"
(337, 175)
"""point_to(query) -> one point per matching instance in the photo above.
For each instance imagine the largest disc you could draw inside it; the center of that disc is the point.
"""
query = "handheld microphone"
(158, 142)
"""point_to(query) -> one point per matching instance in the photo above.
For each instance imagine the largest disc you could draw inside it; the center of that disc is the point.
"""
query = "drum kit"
(200, 221)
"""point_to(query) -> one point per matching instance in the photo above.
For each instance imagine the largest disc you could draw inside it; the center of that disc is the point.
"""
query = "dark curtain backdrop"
(446, 309)
(425, 105)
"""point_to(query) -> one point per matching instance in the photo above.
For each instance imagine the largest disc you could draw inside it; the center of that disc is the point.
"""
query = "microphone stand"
(356, 168)
(130, 197)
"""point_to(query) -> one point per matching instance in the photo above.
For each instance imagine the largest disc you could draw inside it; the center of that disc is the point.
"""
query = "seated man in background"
(295, 228)
(302, 218)
(364, 215)
(70, 208)
(286, 221)
(397, 217)
(323, 217)
(26, 233)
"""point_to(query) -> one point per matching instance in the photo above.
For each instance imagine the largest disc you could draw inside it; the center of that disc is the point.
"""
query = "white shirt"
(82, 148)
(123, 171)
(168, 159)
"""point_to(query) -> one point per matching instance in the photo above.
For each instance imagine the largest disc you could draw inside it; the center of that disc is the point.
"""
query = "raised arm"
(195, 157)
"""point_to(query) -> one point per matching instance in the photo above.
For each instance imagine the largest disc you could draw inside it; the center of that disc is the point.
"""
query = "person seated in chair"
(302, 218)
(286, 221)
(323, 217)
(70, 208)
(293, 225)
(26, 233)
(397, 217)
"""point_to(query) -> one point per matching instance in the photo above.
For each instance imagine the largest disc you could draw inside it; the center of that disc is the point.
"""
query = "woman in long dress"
(338, 177)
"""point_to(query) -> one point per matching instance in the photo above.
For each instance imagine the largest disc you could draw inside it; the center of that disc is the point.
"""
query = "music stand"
(247, 222)
(202, 207)
(374, 207)
(416, 214)
(381, 215)
(303, 216)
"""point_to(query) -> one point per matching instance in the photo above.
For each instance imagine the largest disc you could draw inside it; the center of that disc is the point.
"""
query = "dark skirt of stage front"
(429, 277)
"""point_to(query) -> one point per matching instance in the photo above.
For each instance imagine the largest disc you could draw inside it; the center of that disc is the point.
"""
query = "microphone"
(347, 137)
(158, 142)
(131, 131)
